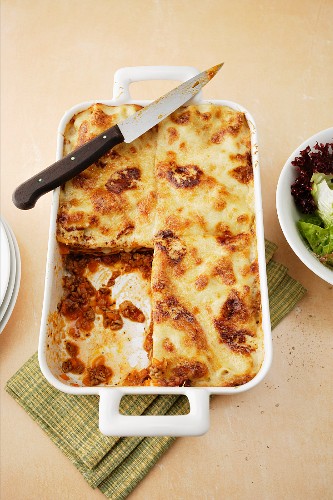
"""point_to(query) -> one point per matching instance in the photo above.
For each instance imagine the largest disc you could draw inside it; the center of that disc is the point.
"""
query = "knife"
(26, 195)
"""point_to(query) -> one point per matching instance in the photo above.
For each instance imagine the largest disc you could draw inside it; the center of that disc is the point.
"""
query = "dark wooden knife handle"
(26, 195)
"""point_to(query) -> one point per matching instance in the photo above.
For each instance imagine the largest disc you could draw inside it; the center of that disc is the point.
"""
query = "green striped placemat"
(116, 465)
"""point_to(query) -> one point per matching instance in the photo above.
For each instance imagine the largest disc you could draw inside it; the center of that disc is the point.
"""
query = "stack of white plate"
(10, 272)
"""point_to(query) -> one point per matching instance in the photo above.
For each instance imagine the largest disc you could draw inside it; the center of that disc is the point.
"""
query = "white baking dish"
(111, 422)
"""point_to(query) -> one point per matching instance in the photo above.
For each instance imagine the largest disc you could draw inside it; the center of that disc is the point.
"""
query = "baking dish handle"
(125, 76)
(112, 423)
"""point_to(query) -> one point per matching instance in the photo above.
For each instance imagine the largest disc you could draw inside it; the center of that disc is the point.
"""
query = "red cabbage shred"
(307, 163)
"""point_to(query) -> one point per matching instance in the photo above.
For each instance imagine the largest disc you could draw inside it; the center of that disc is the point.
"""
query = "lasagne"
(206, 304)
(159, 238)
(110, 205)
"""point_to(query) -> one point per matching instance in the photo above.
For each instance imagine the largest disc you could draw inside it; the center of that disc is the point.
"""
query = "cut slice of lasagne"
(205, 283)
(110, 205)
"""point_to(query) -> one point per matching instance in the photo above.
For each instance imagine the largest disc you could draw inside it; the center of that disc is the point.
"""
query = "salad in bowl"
(313, 194)
(304, 202)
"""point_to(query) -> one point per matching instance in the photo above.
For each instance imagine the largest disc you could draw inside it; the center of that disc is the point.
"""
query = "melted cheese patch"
(122, 350)
(131, 286)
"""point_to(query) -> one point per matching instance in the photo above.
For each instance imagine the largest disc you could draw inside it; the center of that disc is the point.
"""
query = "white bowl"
(288, 213)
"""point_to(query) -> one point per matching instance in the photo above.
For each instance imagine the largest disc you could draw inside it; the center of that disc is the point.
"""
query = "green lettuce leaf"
(313, 219)
(319, 238)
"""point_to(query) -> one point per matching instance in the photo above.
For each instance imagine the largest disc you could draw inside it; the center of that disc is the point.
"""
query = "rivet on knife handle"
(26, 195)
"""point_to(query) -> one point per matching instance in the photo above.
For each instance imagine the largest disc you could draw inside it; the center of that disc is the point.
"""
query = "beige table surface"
(270, 443)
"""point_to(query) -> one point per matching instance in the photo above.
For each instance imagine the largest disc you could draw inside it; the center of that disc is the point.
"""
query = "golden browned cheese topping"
(205, 276)
(185, 191)
(111, 204)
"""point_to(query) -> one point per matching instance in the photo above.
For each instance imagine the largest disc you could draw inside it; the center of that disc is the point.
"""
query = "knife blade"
(26, 195)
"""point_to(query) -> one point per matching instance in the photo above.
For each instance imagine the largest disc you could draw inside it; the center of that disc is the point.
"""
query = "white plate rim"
(16, 285)
(5, 261)
(11, 285)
